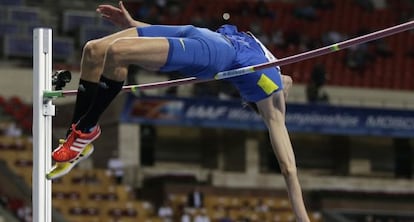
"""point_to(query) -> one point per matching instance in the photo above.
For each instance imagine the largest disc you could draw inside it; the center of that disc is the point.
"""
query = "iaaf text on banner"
(190, 112)
(299, 118)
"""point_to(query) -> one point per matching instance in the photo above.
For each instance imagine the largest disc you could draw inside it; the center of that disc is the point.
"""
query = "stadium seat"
(151, 219)
(145, 208)
(103, 23)
(89, 32)
(9, 27)
(63, 48)
(119, 210)
(69, 193)
(73, 20)
(177, 199)
(68, 208)
(58, 205)
(12, 2)
(212, 201)
(9, 156)
(282, 216)
(123, 192)
(104, 193)
(276, 203)
(103, 176)
(24, 14)
(18, 46)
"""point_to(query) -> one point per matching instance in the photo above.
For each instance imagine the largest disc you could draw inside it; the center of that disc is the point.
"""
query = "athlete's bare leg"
(272, 110)
(94, 54)
(148, 53)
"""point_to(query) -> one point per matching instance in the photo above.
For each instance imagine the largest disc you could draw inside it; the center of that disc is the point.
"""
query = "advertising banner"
(315, 118)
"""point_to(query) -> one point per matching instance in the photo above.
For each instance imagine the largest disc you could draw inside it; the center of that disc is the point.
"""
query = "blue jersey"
(202, 53)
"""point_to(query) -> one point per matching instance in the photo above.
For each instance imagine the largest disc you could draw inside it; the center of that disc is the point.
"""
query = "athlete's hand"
(118, 16)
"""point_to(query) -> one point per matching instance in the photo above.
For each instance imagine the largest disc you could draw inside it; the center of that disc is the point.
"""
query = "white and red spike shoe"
(62, 168)
(74, 144)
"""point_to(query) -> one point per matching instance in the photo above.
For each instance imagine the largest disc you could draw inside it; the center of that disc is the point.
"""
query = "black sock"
(107, 91)
(85, 96)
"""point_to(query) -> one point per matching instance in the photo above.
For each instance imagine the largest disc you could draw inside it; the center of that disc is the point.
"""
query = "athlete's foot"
(74, 144)
(287, 84)
(62, 168)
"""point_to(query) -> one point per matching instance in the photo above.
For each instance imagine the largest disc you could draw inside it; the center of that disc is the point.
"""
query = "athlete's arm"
(119, 16)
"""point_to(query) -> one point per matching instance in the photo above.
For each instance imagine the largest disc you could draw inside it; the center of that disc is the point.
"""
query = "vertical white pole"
(43, 110)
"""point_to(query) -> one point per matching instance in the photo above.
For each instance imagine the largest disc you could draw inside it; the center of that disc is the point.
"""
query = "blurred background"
(193, 152)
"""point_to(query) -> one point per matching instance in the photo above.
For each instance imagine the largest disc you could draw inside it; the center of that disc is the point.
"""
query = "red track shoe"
(74, 145)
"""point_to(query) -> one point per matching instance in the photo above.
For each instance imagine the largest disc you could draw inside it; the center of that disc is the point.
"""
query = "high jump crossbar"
(44, 110)
(245, 70)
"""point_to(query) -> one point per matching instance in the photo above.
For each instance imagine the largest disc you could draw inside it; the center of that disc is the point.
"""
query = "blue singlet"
(202, 53)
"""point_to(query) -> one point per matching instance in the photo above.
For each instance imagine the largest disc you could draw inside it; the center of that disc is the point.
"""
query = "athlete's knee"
(115, 52)
(94, 51)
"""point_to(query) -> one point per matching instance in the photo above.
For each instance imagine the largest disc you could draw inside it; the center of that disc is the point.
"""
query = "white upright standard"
(43, 111)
